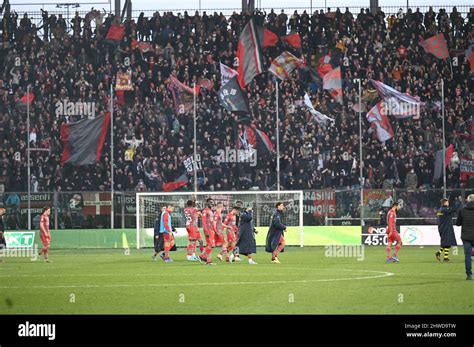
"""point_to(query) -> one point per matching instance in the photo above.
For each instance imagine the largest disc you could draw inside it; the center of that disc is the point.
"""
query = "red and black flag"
(83, 140)
(270, 39)
(177, 183)
(437, 46)
(249, 53)
(232, 98)
(293, 39)
(250, 138)
(182, 94)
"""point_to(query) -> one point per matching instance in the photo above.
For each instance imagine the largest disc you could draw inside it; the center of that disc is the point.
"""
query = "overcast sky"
(219, 4)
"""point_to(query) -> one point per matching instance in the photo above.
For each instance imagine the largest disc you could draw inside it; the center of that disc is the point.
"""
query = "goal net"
(149, 207)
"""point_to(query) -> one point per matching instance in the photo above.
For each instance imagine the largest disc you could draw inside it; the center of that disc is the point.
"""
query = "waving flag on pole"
(397, 104)
(293, 39)
(379, 120)
(182, 94)
(437, 46)
(232, 98)
(332, 81)
(116, 32)
(177, 183)
(284, 64)
(249, 53)
(318, 116)
(83, 140)
(269, 38)
(226, 74)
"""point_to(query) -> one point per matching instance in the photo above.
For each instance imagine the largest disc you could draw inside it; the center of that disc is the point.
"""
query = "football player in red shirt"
(219, 232)
(191, 214)
(209, 234)
(393, 234)
(45, 235)
(230, 224)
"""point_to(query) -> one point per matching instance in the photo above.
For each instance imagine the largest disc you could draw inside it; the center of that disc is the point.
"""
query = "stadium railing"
(36, 16)
(91, 210)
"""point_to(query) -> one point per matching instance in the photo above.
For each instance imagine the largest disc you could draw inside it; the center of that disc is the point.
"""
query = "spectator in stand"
(80, 65)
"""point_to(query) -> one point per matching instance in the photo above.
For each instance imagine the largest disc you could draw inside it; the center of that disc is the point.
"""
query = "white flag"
(318, 116)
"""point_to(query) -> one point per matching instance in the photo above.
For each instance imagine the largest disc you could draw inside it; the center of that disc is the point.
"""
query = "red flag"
(179, 182)
(120, 97)
(28, 98)
(449, 154)
(332, 81)
(269, 38)
(324, 66)
(116, 32)
(471, 61)
(379, 121)
(437, 46)
(249, 53)
(293, 39)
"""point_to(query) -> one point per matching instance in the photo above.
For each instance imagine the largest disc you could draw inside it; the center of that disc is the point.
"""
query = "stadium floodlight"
(148, 207)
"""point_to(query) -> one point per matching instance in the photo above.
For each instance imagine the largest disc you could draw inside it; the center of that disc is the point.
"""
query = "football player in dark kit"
(3, 243)
(445, 229)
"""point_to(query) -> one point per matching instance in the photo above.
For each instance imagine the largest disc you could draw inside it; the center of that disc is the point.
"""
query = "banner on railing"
(412, 235)
(320, 203)
(466, 167)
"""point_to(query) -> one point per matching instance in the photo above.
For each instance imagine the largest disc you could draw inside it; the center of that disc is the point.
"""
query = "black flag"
(232, 98)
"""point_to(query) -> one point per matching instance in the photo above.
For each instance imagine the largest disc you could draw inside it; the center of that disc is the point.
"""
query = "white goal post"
(148, 207)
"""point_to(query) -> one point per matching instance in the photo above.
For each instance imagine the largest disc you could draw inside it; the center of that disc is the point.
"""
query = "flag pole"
(111, 156)
(361, 163)
(195, 140)
(444, 138)
(277, 137)
(28, 153)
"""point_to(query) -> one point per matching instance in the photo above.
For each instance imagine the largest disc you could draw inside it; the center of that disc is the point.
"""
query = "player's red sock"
(278, 250)
(167, 249)
(397, 248)
(389, 250)
(191, 247)
(208, 254)
(201, 246)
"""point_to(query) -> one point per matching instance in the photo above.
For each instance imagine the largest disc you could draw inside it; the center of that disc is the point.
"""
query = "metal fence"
(92, 210)
(68, 14)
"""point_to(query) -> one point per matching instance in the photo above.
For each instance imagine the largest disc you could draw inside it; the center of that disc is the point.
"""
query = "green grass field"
(307, 281)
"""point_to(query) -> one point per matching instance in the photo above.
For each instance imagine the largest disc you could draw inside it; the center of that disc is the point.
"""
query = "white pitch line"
(382, 274)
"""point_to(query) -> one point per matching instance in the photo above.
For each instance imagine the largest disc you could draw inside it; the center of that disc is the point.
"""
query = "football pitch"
(307, 282)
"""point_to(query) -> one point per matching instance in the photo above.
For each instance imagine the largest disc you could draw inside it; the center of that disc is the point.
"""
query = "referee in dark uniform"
(3, 243)
(466, 221)
(445, 229)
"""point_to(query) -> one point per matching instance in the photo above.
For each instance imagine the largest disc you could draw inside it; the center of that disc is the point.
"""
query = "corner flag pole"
(277, 137)
(28, 153)
(361, 164)
(111, 156)
(444, 138)
(195, 139)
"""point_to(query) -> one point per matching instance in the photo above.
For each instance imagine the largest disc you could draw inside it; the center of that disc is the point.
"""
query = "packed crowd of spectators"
(73, 61)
